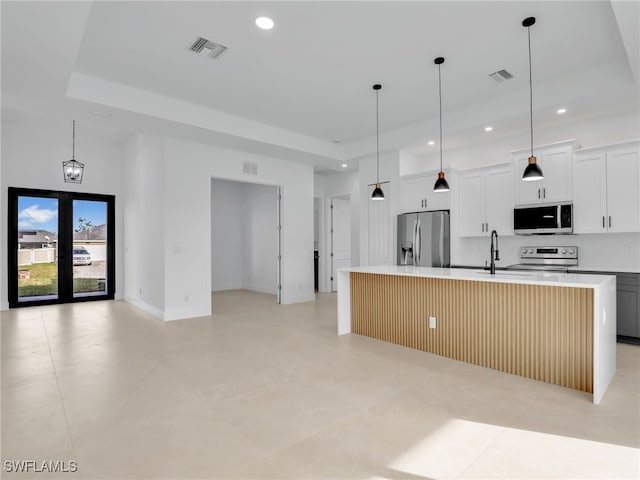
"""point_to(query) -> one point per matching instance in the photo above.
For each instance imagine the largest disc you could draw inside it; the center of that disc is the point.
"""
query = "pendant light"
(533, 172)
(441, 184)
(72, 170)
(377, 194)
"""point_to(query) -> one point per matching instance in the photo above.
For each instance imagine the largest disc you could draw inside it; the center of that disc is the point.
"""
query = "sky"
(41, 213)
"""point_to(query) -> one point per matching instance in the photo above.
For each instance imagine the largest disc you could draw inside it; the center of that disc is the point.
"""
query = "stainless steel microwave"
(543, 219)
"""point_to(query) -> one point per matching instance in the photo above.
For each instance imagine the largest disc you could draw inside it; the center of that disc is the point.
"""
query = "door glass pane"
(89, 248)
(37, 248)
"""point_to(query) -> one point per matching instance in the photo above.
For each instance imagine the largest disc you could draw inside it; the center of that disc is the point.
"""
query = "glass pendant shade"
(533, 172)
(441, 184)
(377, 194)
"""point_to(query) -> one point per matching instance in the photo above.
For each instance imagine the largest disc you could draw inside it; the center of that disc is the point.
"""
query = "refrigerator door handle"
(415, 244)
(419, 242)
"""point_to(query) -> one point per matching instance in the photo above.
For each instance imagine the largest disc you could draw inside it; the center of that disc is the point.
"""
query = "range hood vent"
(501, 76)
(207, 48)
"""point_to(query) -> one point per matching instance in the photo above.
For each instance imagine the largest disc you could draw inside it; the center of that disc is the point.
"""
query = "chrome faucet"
(495, 254)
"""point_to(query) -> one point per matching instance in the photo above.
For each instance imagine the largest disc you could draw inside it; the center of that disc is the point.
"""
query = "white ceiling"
(291, 91)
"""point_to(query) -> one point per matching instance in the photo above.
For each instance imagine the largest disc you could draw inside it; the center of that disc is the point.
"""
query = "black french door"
(61, 247)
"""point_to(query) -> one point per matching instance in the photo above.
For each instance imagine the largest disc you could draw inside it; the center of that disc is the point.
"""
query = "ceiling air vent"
(207, 48)
(501, 76)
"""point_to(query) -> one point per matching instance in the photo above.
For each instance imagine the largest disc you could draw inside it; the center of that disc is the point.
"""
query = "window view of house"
(37, 247)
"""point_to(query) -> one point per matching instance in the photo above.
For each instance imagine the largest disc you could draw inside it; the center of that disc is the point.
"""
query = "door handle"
(544, 193)
(609, 221)
(415, 242)
(538, 194)
(418, 246)
(603, 221)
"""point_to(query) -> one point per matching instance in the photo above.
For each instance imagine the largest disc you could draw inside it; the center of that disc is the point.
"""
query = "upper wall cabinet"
(606, 182)
(556, 163)
(418, 194)
(486, 201)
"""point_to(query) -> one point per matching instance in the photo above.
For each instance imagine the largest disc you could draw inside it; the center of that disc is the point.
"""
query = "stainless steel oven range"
(554, 259)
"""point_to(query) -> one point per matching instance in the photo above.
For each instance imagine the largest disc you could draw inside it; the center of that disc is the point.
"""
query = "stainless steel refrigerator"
(423, 239)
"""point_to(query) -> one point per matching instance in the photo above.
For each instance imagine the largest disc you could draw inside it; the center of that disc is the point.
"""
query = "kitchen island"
(554, 327)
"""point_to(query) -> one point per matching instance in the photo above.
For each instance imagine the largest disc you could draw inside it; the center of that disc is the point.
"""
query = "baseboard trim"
(299, 299)
(136, 302)
(260, 289)
(226, 286)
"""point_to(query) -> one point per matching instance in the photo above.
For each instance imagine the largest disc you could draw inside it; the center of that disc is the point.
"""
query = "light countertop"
(603, 269)
(577, 269)
(526, 277)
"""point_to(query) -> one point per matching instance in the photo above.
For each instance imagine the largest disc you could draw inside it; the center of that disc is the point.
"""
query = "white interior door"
(340, 238)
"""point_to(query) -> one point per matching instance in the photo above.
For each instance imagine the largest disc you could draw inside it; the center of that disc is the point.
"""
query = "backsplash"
(612, 250)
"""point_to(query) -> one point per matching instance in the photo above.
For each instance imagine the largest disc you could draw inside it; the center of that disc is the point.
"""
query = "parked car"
(81, 256)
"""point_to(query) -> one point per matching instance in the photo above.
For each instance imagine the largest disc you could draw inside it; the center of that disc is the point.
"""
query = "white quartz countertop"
(528, 277)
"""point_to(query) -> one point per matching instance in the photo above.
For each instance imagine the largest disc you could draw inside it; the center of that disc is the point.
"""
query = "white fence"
(28, 256)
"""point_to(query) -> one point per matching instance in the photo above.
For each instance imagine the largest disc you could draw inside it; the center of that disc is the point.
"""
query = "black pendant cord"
(530, 91)
(73, 147)
(377, 142)
(440, 95)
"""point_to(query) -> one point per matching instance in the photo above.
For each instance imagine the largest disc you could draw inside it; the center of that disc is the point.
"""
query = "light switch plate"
(432, 322)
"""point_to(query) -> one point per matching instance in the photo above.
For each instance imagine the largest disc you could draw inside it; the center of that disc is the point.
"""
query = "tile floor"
(266, 391)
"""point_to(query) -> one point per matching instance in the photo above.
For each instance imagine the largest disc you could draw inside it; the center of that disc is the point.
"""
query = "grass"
(85, 285)
(44, 281)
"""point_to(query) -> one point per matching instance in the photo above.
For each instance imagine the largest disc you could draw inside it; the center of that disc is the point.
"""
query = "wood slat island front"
(554, 328)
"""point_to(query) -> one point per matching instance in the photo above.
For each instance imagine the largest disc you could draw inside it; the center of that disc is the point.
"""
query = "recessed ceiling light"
(344, 165)
(560, 111)
(488, 129)
(431, 142)
(264, 22)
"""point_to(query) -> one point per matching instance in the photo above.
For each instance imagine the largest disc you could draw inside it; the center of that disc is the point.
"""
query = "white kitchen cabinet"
(418, 194)
(486, 202)
(607, 189)
(555, 160)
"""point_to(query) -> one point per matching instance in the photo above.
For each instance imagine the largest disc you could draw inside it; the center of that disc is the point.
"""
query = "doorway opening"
(61, 247)
(246, 241)
(340, 236)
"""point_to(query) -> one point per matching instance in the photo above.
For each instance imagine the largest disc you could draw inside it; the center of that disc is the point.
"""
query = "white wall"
(227, 233)
(32, 157)
(144, 223)
(260, 239)
(190, 167)
(602, 250)
(389, 171)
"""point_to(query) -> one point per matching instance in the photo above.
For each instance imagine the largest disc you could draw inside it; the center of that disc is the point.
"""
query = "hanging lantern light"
(72, 170)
